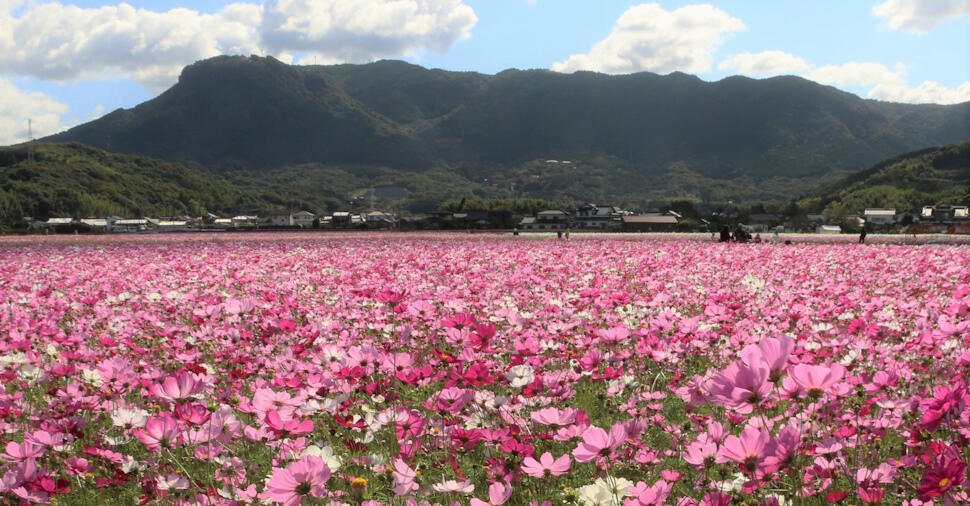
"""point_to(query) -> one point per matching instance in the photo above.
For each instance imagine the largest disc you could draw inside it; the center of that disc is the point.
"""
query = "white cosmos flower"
(325, 453)
(520, 376)
(129, 418)
(602, 492)
(462, 487)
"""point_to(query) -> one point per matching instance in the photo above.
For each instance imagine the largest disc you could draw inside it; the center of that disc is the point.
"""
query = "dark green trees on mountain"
(232, 112)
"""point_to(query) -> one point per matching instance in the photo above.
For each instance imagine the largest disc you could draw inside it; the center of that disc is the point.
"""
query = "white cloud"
(16, 106)
(647, 37)
(920, 15)
(62, 42)
(364, 30)
(889, 84)
(766, 63)
(858, 74)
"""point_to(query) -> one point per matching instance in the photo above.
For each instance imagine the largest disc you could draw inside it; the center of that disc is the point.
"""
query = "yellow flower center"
(944, 482)
(358, 483)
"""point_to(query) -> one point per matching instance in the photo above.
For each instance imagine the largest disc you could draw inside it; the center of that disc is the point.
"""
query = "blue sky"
(69, 62)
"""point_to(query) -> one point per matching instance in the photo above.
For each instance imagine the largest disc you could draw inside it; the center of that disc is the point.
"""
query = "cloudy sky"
(64, 63)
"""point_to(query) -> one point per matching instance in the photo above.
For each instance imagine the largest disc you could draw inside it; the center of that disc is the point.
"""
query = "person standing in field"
(862, 236)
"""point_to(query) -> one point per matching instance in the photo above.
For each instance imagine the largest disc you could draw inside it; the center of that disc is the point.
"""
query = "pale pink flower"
(816, 379)
(746, 449)
(741, 386)
(405, 478)
(183, 385)
(553, 416)
(305, 477)
(461, 487)
(498, 494)
(547, 465)
(159, 432)
(599, 443)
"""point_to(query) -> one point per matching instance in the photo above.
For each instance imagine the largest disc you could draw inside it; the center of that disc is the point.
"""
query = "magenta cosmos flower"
(305, 477)
(547, 465)
(946, 472)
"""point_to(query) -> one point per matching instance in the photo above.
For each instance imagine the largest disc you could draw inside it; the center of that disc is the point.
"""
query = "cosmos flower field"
(482, 369)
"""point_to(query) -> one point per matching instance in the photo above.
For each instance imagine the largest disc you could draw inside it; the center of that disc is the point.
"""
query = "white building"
(828, 229)
(244, 221)
(302, 219)
(879, 216)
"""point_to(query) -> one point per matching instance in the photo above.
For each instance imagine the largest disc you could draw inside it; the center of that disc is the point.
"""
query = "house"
(280, 220)
(172, 225)
(528, 223)
(340, 219)
(828, 229)
(245, 221)
(552, 219)
(302, 219)
(596, 217)
(879, 216)
(59, 222)
(96, 224)
(130, 225)
(379, 219)
(222, 223)
(649, 223)
(943, 213)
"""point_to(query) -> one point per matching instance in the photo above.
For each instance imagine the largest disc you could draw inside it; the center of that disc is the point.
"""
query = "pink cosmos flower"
(183, 385)
(649, 495)
(741, 386)
(405, 478)
(816, 379)
(773, 351)
(700, 451)
(553, 416)
(599, 443)
(288, 427)
(546, 465)
(746, 449)
(307, 476)
(20, 452)
(781, 449)
(498, 494)
(159, 432)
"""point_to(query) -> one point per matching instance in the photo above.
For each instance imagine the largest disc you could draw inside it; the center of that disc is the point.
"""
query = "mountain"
(72, 180)
(907, 182)
(639, 136)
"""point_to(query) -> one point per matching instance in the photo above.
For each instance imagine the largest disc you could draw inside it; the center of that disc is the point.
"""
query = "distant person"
(757, 238)
(740, 235)
(775, 238)
(515, 231)
(559, 234)
(725, 234)
(567, 234)
(862, 236)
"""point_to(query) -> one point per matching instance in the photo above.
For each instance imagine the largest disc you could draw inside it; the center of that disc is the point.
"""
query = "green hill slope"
(79, 181)
(906, 183)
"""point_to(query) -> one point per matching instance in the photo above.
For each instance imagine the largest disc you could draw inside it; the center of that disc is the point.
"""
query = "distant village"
(940, 218)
